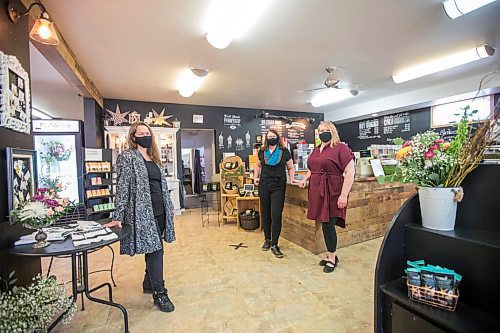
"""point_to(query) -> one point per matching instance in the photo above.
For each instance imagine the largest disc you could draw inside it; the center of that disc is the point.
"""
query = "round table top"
(66, 247)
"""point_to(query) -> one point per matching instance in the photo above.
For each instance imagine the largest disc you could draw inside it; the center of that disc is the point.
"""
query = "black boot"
(161, 300)
(147, 288)
(276, 251)
(267, 245)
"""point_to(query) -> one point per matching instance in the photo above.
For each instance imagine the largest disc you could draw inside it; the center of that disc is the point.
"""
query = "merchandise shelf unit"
(99, 184)
(210, 197)
(472, 250)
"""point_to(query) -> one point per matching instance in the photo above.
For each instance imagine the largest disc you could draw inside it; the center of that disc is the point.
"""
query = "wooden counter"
(371, 209)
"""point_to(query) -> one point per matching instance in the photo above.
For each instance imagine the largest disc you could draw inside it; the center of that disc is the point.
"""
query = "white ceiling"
(136, 50)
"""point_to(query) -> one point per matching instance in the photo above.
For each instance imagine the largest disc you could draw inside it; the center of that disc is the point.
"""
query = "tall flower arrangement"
(428, 161)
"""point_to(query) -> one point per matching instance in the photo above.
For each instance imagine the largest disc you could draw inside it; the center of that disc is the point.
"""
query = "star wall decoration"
(134, 117)
(159, 119)
(117, 117)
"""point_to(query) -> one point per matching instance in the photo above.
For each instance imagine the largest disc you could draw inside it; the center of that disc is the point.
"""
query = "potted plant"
(42, 210)
(34, 308)
(438, 168)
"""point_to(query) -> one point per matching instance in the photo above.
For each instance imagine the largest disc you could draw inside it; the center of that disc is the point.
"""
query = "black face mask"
(325, 136)
(272, 141)
(143, 141)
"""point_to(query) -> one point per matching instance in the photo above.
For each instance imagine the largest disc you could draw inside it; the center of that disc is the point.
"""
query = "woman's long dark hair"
(280, 143)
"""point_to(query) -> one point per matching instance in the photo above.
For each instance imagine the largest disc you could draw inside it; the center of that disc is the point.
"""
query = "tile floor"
(218, 289)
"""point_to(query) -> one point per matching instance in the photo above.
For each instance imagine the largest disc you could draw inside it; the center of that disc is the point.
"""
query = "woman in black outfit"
(143, 202)
(270, 177)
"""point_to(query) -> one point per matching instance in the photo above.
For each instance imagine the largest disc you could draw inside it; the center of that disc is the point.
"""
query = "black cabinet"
(472, 250)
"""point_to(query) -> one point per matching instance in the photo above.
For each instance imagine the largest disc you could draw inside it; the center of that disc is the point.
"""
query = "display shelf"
(101, 197)
(465, 318)
(236, 177)
(105, 182)
(230, 195)
(90, 211)
(98, 172)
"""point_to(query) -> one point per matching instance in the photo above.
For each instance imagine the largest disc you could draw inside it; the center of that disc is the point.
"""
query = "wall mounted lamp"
(43, 30)
(191, 80)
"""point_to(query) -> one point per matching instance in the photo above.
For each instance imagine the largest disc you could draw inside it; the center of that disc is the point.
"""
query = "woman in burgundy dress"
(330, 175)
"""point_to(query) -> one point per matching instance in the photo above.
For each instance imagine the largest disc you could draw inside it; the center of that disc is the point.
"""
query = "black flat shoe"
(276, 251)
(324, 261)
(267, 245)
(329, 267)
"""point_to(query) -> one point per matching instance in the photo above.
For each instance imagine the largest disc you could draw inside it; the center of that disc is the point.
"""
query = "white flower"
(427, 164)
(32, 210)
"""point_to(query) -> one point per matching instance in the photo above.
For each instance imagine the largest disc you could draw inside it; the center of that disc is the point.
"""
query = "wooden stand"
(244, 203)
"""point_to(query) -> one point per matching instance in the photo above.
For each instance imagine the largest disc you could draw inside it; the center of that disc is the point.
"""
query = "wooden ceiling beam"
(64, 61)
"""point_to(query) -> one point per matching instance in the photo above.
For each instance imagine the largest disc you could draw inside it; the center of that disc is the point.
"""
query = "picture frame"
(15, 96)
(258, 138)
(249, 188)
(21, 175)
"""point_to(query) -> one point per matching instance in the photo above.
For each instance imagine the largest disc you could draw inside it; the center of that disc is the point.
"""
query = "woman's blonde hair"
(335, 134)
(153, 151)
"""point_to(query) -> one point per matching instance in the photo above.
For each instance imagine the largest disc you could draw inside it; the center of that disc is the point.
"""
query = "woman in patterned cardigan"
(143, 202)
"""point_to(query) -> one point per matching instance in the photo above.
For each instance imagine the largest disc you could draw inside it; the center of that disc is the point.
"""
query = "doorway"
(198, 160)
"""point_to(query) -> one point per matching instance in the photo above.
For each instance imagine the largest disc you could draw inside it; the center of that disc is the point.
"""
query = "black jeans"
(272, 200)
(154, 260)
(330, 234)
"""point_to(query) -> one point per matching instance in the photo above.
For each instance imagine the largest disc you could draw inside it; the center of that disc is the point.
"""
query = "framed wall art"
(15, 96)
(21, 175)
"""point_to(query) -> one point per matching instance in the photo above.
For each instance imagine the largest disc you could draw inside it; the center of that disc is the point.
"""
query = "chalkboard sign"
(382, 130)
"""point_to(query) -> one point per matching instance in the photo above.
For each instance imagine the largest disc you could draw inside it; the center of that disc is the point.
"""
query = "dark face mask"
(143, 141)
(325, 136)
(272, 141)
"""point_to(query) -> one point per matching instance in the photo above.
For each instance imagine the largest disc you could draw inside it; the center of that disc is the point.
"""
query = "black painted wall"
(13, 41)
(93, 124)
(214, 119)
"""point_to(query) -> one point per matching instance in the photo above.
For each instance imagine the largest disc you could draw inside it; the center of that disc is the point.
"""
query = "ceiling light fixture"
(43, 30)
(231, 19)
(457, 8)
(441, 64)
(191, 80)
(331, 96)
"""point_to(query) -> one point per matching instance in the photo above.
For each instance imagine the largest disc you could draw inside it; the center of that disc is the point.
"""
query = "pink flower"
(50, 212)
(433, 147)
(59, 209)
(59, 185)
(429, 154)
(438, 141)
(38, 197)
(407, 143)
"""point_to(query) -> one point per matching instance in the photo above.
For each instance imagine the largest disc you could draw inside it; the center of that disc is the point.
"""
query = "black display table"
(79, 267)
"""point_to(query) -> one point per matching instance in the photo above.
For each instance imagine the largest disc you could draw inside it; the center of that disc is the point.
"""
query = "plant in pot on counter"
(438, 168)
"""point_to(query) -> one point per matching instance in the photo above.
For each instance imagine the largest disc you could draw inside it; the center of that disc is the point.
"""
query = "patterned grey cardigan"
(134, 206)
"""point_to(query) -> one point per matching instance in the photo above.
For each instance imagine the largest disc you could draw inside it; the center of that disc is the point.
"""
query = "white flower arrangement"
(34, 308)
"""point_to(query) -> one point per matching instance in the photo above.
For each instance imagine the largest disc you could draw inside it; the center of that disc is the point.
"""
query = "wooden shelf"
(97, 172)
(101, 197)
(247, 198)
(230, 195)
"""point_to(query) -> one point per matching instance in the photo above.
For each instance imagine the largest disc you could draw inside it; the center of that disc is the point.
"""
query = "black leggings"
(330, 234)
(272, 201)
(154, 260)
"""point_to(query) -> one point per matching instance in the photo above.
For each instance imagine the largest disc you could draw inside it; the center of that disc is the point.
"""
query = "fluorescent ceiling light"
(456, 8)
(231, 19)
(39, 114)
(441, 64)
(330, 96)
(191, 80)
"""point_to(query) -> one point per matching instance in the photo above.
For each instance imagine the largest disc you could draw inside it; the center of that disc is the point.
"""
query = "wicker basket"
(435, 298)
(231, 191)
(250, 222)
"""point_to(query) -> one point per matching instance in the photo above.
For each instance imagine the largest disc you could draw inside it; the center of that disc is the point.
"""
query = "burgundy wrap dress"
(325, 184)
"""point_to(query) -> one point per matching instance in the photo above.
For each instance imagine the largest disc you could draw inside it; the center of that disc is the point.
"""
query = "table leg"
(98, 300)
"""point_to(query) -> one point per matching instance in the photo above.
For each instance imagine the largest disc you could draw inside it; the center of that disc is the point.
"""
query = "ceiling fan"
(335, 74)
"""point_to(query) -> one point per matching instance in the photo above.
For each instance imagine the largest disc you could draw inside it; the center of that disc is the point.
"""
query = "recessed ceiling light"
(230, 19)
(441, 64)
(191, 80)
